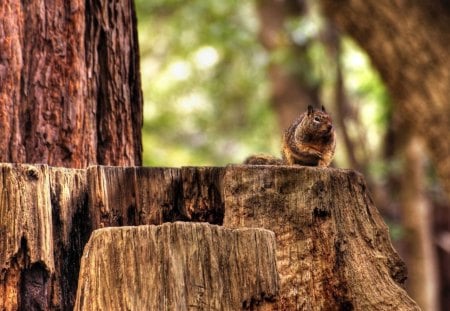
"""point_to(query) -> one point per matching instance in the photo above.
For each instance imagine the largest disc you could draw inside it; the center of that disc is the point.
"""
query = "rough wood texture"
(333, 249)
(62, 206)
(201, 196)
(71, 230)
(180, 266)
(26, 240)
(130, 196)
(69, 83)
(142, 196)
(408, 42)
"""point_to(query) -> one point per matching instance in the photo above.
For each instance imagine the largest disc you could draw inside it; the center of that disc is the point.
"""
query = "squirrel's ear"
(323, 109)
(310, 109)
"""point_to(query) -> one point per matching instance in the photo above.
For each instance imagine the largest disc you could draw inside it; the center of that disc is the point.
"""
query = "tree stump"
(333, 249)
(179, 266)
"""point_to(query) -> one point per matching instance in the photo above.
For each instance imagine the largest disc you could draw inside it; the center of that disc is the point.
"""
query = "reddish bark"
(70, 86)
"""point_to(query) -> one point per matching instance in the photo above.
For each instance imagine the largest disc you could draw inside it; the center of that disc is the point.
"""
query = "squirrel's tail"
(263, 159)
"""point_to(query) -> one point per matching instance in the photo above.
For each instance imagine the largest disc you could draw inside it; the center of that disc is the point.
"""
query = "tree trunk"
(70, 88)
(333, 250)
(408, 44)
(420, 253)
(178, 266)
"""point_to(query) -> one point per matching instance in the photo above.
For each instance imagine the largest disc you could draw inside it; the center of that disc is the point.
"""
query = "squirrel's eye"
(316, 119)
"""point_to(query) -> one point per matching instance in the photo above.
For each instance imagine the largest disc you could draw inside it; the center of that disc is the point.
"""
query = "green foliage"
(397, 232)
(371, 102)
(205, 91)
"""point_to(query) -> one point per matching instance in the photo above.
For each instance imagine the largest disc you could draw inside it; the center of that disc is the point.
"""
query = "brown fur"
(310, 140)
(263, 159)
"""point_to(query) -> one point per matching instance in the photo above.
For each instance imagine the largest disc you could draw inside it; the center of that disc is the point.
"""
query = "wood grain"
(26, 239)
(333, 248)
(179, 266)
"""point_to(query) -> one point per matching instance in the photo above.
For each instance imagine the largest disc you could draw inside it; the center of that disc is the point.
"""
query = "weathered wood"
(121, 196)
(72, 227)
(78, 201)
(202, 197)
(179, 266)
(43, 229)
(150, 196)
(333, 249)
(26, 240)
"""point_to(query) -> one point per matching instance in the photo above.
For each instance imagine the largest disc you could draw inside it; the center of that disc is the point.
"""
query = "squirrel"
(309, 141)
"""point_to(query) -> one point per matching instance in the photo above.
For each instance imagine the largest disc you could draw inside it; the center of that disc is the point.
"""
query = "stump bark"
(333, 249)
(179, 266)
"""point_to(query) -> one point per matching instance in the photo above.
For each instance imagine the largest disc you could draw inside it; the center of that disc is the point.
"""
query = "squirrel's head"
(315, 124)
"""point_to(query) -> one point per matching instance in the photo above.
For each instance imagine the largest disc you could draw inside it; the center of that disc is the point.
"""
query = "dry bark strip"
(178, 266)
(333, 249)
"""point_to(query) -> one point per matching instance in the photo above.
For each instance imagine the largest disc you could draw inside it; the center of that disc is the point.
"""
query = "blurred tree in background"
(203, 72)
(222, 80)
